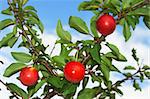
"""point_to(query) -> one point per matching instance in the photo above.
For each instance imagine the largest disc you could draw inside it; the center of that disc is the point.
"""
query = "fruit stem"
(77, 55)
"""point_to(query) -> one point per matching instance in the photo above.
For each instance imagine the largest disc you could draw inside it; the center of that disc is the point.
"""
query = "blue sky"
(50, 11)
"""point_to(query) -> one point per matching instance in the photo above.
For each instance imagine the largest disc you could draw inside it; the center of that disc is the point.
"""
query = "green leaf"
(87, 93)
(113, 68)
(113, 48)
(85, 81)
(118, 91)
(111, 55)
(55, 81)
(7, 12)
(120, 57)
(15, 30)
(128, 74)
(59, 60)
(96, 78)
(5, 40)
(112, 96)
(33, 89)
(129, 68)
(24, 2)
(141, 77)
(147, 21)
(126, 3)
(30, 8)
(146, 67)
(147, 74)
(95, 53)
(93, 26)
(131, 21)
(115, 54)
(126, 31)
(13, 68)
(5, 23)
(22, 57)
(41, 27)
(134, 55)
(107, 2)
(140, 11)
(31, 13)
(64, 51)
(135, 2)
(12, 41)
(14, 88)
(88, 5)
(35, 20)
(78, 24)
(106, 71)
(45, 74)
(136, 86)
(64, 35)
(71, 89)
(106, 61)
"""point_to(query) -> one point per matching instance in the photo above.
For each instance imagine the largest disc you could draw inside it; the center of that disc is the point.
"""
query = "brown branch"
(97, 41)
(13, 93)
(49, 68)
(1, 62)
(28, 39)
(127, 78)
(123, 13)
(86, 59)
(53, 49)
(49, 95)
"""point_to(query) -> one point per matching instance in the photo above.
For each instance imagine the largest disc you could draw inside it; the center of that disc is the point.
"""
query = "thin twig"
(48, 68)
(97, 41)
(52, 49)
(127, 78)
(132, 8)
(1, 62)
(49, 95)
(28, 39)
(86, 59)
(14, 94)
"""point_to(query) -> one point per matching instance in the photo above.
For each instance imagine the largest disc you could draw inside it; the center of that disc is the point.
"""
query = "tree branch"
(14, 94)
(97, 41)
(1, 62)
(49, 95)
(132, 8)
(28, 39)
(127, 78)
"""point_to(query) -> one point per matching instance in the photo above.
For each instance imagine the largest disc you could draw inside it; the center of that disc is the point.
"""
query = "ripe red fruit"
(74, 71)
(106, 24)
(29, 76)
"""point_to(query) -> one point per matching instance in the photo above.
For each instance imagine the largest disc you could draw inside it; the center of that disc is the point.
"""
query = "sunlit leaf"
(13, 68)
(22, 57)
(78, 24)
(5, 23)
(18, 90)
(126, 31)
(64, 35)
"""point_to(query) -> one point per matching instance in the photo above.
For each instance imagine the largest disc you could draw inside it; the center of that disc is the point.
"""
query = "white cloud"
(130, 93)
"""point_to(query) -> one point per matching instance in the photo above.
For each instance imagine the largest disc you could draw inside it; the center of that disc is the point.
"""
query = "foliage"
(26, 23)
